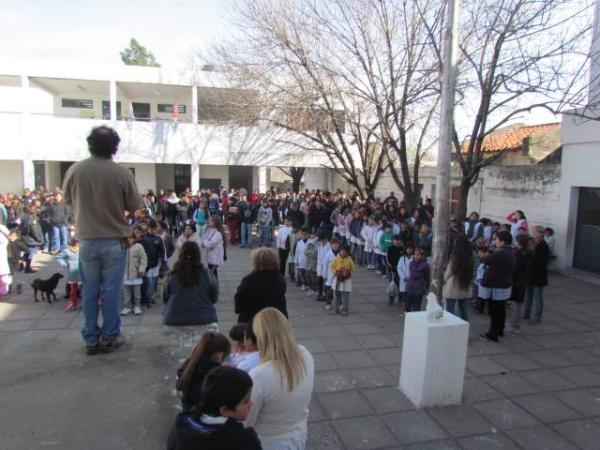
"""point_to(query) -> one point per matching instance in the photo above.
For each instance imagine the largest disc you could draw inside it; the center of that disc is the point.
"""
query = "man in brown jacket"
(100, 191)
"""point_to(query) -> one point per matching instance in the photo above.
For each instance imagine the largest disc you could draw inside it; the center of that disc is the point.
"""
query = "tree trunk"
(461, 208)
(296, 184)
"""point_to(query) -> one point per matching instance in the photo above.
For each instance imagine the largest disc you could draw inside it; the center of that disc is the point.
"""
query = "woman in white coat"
(213, 242)
(282, 384)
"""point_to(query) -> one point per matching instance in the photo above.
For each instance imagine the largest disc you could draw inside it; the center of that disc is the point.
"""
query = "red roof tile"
(511, 138)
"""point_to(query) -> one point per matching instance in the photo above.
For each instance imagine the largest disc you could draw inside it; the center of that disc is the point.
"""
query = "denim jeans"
(246, 234)
(463, 307)
(342, 299)
(60, 237)
(534, 294)
(264, 235)
(148, 289)
(101, 267)
(370, 259)
(301, 277)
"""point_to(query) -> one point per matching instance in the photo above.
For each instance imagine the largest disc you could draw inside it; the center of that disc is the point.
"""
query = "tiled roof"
(511, 138)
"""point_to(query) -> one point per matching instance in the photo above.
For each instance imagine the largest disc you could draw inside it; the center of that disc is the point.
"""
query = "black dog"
(46, 287)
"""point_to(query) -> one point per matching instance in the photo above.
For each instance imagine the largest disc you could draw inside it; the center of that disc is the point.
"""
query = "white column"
(113, 99)
(195, 182)
(28, 174)
(194, 104)
(263, 179)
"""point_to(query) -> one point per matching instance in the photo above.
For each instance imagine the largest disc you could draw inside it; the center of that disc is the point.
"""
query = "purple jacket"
(418, 279)
(499, 268)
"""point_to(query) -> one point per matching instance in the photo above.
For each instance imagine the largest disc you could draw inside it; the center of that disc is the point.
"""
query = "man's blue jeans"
(264, 235)
(534, 295)
(101, 266)
(463, 307)
(246, 234)
(60, 237)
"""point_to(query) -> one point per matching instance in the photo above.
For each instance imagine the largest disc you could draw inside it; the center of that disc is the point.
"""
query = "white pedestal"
(434, 356)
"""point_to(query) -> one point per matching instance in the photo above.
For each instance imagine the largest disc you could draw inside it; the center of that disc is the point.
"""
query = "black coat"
(538, 273)
(31, 231)
(259, 290)
(191, 433)
(520, 276)
(500, 266)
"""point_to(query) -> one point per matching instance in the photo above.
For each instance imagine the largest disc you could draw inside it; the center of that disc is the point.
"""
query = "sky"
(95, 32)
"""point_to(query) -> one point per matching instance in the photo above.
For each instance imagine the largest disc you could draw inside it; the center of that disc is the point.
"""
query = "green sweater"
(386, 241)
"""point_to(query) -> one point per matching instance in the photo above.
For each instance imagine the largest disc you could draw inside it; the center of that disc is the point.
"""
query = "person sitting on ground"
(237, 340)
(263, 287)
(226, 393)
(283, 384)
(190, 291)
(210, 352)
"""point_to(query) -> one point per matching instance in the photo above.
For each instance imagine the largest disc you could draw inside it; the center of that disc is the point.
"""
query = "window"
(39, 173)
(166, 108)
(106, 110)
(77, 103)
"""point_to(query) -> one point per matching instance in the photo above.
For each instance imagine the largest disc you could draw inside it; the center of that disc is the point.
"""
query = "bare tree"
(515, 56)
(296, 173)
(356, 79)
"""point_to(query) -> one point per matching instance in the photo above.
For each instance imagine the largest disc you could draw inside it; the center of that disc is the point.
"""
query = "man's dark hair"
(249, 332)
(103, 142)
(237, 332)
(224, 386)
(505, 237)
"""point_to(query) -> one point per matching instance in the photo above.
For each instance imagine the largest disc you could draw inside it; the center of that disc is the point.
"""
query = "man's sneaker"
(310, 293)
(137, 310)
(110, 345)
(91, 349)
(303, 287)
(327, 307)
(344, 312)
(487, 337)
(125, 311)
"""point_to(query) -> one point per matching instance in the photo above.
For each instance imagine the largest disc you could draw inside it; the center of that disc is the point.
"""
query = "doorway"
(141, 111)
(587, 237)
(182, 177)
(240, 177)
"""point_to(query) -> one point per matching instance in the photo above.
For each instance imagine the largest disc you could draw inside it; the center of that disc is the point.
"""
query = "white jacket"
(299, 256)
(368, 234)
(322, 250)
(282, 236)
(326, 271)
(403, 268)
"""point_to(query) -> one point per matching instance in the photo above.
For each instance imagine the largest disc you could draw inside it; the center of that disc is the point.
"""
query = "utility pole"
(441, 217)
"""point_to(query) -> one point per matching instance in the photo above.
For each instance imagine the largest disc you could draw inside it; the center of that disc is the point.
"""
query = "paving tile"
(547, 380)
(460, 421)
(339, 343)
(476, 390)
(372, 377)
(315, 412)
(584, 433)
(52, 324)
(504, 414)
(375, 341)
(484, 365)
(387, 399)
(387, 356)
(510, 384)
(414, 426)
(516, 362)
(540, 438)
(329, 330)
(495, 441)
(444, 444)
(313, 345)
(580, 375)
(338, 405)
(353, 359)
(16, 325)
(324, 362)
(364, 433)
(361, 328)
(548, 358)
(322, 436)
(546, 408)
(332, 381)
(581, 400)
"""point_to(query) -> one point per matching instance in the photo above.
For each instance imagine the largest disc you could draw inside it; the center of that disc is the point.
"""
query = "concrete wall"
(165, 176)
(145, 175)
(53, 175)
(213, 171)
(11, 177)
(580, 163)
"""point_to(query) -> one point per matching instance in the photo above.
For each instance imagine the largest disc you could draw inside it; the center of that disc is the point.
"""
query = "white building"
(46, 112)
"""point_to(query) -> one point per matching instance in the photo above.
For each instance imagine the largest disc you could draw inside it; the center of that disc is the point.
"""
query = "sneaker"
(483, 337)
(378, 271)
(515, 331)
(125, 311)
(110, 345)
(303, 287)
(327, 307)
(137, 310)
(91, 349)
(309, 293)
(344, 312)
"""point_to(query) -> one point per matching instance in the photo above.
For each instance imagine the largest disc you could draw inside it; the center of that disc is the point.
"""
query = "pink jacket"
(212, 241)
